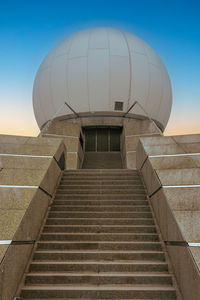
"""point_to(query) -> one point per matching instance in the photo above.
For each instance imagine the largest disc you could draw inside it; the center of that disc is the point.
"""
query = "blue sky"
(29, 29)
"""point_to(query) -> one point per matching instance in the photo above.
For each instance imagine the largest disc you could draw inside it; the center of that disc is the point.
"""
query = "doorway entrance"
(102, 139)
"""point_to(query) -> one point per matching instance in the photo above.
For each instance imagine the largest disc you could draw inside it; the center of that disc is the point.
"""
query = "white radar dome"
(102, 70)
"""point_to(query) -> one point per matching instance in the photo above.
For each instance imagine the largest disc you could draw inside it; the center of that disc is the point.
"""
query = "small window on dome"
(119, 105)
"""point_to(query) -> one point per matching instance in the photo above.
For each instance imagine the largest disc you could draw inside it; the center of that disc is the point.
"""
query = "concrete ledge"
(68, 133)
(22, 210)
(176, 208)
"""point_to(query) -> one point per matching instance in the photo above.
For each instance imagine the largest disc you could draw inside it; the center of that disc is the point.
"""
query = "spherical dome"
(94, 69)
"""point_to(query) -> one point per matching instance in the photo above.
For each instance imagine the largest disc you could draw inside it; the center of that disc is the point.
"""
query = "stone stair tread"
(102, 219)
(101, 274)
(118, 287)
(101, 262)
(101, 170)
(103, 226)
(99, 233)
(85, 212)
(132, 194)
(103, 206)
(101, 186)
(102, 176)
(97, 215)
(99, 202)
(114, 298)
(101, 182)
(102, 242)
(99, 251)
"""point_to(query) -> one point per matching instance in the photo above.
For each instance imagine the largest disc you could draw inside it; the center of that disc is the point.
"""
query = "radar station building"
(101, 205)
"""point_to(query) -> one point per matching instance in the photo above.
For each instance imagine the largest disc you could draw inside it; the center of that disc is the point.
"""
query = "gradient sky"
(29, 29)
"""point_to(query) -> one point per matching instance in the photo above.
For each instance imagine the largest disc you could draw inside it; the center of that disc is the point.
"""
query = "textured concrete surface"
(22, 210)
(177, 209)
(132, 131)
(69, 133)
(107, 249)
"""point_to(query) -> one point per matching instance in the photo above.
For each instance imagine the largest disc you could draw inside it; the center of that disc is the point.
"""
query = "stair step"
(101, 171)
(108, 208)
(101, 174)
(107, 267)
(100, 202)
(107, 181)
(105, 245)
(121, 215)
(98, 237)
(100, 221)
(115, 291)
(98, 278)
(98, 255)
(99, 241)
(100, 191)
(103, 228)
(100, 186)
(101, 197)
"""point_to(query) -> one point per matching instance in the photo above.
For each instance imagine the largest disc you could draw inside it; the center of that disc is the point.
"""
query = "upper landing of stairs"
(102, 160)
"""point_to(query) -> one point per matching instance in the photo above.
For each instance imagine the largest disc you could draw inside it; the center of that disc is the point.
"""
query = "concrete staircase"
(99, 241)
(102, 160)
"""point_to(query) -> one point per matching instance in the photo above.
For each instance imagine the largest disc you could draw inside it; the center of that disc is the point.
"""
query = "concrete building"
(100, 205)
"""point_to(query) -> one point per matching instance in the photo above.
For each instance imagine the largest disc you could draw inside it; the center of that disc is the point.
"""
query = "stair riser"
(100, 208)
(97, 294)
(157, 256)
(101, 221)
(114, 183)
(98, 237)
(101, 175)
(75, 267)
(100, 246)
(59, 279)
(85, 171)
(93, 201)
(100, 203)
(100, 187)
(95, 229)
(101, 191)
(99, 215)
(99, 181)
(100, 197)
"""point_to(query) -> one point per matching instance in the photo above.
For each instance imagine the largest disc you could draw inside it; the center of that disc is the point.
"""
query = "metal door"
(115, 139)
(90, 139)
(102, 139)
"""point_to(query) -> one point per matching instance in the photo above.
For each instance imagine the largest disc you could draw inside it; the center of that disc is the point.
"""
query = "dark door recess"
(102, 139)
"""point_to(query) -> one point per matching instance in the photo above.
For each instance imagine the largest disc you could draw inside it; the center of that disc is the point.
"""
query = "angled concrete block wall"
(69, 132)
(133, 129)
(170, 167)
(25, 164)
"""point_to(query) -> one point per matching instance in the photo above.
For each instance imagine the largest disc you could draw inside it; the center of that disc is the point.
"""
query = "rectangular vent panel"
(119, 105)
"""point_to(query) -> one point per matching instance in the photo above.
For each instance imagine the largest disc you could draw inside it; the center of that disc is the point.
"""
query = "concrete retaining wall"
(170, 176)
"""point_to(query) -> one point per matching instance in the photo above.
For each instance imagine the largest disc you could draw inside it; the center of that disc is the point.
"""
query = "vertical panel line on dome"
(110, 101)
(41, 103)
(88, 89)
(149, 80)
(130, 67)
(50, 85)
(67, 70)
(36, 102)
(162, 91)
